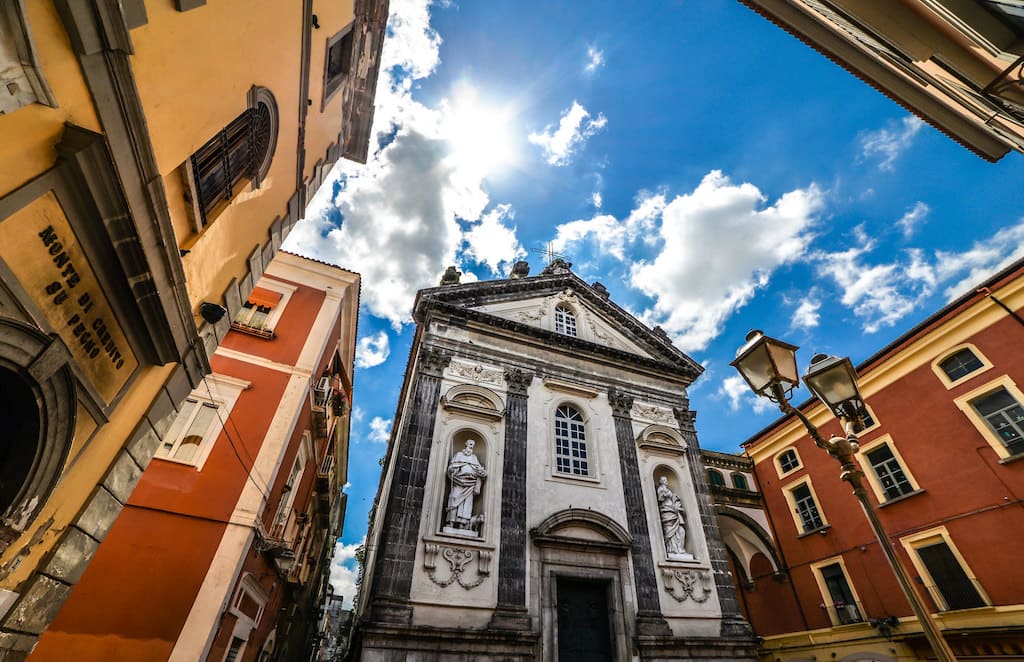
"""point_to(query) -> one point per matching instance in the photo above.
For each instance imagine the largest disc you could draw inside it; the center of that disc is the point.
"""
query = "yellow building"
(153, 157)
(957, 64)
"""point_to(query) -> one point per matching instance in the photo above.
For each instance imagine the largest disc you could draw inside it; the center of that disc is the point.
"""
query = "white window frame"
(274, 316)
(787, 491)
(224, 391)
(872, 475)
(986, 365)
(929, 537)
(284, 515)
(563, 314)
(244, 624)
(826, 596)
(776, 460)
(964, 401)
(585, 443)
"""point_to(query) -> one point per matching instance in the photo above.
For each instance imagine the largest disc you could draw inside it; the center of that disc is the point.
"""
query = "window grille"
(570, 443)
(960, 364)
(788, 461)
(890, 474)
(1005, 416)
(806, 508)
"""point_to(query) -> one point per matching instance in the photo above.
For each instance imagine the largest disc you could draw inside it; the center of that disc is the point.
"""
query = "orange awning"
(263, 297)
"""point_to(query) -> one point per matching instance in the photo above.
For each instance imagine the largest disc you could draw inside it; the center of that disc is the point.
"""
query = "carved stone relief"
(476, 373)
(687, 583)
(532, 316)
(458, 560)
(653, 414)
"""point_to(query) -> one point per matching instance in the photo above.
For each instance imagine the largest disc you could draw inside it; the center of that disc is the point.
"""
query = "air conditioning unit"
(322, 392)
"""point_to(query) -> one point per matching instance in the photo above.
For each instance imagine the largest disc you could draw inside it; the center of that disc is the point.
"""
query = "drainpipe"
(987, 292)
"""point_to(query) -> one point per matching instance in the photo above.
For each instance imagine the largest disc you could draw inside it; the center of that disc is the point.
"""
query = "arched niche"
(40, 399)
(465, 515)
(473, 401)
(661, 438)
(677, 546)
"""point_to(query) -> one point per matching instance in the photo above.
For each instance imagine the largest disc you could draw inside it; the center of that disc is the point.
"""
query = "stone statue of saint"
(467, 476)
(673, 522)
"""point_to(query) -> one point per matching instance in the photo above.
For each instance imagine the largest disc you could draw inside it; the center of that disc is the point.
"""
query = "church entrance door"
(584, 631)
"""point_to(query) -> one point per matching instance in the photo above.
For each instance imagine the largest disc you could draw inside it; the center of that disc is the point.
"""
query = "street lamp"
(769, 367)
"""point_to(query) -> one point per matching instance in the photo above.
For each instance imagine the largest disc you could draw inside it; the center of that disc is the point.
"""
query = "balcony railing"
(844, 613)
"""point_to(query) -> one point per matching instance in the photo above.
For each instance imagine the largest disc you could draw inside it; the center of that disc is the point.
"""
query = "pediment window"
(565, 321)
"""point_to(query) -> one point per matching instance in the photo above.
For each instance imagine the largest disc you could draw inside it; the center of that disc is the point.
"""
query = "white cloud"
(613, 236)
(345, 571)
(890, 141)
(493, 243)
(399, 214)
(595, 59)
(574, 128)
(740, 396)
(882, 293)
(596, 199)
(719, 245)
(372, 350)
(358, 414)
(380, 430)
(806, 315)
(914, 216)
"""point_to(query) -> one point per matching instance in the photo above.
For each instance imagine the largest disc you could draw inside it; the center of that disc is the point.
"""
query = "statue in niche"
(673, 522)
(466, 475)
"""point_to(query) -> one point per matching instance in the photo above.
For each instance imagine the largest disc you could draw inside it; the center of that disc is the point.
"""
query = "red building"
(223, 549)
(940, 454)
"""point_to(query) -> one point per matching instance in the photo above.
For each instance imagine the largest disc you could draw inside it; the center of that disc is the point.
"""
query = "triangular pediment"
(532, 302)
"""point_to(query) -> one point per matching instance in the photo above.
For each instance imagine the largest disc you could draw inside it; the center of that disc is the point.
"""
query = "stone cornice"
(553, 340)
(480, 293)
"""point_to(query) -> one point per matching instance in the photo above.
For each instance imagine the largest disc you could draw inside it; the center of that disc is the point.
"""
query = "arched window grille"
(960, 364)
(565, 321)
(570, 442)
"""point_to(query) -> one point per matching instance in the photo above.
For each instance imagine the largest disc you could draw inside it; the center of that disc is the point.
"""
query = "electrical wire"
(250, 470)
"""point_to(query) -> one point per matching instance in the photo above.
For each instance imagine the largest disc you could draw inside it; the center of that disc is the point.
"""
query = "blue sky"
(712, 171)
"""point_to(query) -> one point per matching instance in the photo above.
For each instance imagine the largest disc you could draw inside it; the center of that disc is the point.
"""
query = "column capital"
(518, 380)
(620, 401)
(686, 418)
(434, 360)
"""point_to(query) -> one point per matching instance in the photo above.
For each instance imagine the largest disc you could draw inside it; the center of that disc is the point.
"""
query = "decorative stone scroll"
(458, 560)
(687, 583)
(476, 373)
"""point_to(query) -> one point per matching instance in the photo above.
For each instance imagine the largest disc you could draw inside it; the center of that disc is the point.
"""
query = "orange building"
(940, 454)
(223, 547)
(153, 157)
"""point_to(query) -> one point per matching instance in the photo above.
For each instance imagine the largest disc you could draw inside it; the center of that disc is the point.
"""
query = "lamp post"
(769, 368)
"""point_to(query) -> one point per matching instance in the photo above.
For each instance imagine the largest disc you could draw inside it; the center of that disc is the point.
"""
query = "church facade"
(543, 494)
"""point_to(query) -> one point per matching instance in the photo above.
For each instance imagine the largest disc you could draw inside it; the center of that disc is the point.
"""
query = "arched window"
(960, 364)
(739, 481)
(239, 153)
(570, 442)
(788, 461)
(565, 321)
(715, 477)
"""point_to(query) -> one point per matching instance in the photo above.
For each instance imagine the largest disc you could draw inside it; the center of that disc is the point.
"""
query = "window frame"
(586, 448)
(787, 491)
(274, 316)
(929, 537)
(874, 480)
(331, 86)
(936, 365)
(819, 579)
(225, 391)
(567, 313)
(777, 461)
(286, 504)
(710, 471)
(964, 404)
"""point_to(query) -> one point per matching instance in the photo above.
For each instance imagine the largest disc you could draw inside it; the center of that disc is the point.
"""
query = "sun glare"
(480, 132)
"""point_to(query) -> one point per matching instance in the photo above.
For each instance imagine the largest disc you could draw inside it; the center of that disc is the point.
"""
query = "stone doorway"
(584, 627)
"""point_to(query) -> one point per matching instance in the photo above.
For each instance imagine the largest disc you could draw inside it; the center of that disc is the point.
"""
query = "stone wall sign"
(55, 272)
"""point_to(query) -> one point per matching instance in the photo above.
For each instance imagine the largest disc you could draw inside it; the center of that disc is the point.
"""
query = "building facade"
(940, 453)
(958, 65)
(543, 495)
(154, 157)
(233, 522)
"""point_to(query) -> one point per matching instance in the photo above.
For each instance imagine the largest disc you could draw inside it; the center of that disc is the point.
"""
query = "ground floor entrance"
(583, 621)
